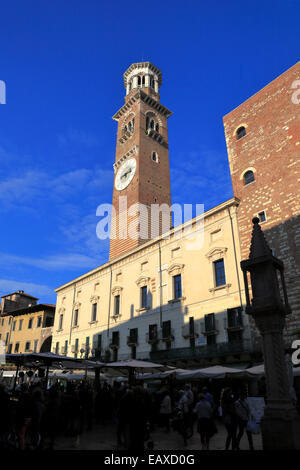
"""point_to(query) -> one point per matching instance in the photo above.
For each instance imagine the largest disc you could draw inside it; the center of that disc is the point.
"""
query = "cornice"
(141, 65)
(130, 153)
(140, 95)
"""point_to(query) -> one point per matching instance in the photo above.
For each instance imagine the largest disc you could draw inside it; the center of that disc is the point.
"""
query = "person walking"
(204, 412)
(229, 418)
(243, 415)
(166, 410)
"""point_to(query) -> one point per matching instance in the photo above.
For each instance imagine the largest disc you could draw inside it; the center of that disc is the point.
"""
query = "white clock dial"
(125, 174)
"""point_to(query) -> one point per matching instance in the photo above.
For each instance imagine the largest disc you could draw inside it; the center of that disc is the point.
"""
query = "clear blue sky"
(63, 61)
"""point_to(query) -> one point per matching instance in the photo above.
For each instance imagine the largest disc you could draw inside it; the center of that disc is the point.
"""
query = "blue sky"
(62, 63)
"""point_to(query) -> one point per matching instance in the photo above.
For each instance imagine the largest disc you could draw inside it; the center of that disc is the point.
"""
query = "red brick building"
(263, 142)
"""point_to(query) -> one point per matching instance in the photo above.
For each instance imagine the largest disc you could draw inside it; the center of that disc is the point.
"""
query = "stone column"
(156, 86)
(135, 82)
(147, 81)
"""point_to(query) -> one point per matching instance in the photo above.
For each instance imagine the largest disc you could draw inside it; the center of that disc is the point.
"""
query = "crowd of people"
(37, 417)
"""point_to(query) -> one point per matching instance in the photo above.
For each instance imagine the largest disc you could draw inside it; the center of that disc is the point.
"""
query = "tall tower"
(141, 168)
(263, 142)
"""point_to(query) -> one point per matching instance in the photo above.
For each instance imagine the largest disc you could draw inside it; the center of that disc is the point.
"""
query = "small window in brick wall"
(241, 132)
(249, 177)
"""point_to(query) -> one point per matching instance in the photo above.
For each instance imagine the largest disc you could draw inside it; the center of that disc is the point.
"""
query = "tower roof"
(142, 65)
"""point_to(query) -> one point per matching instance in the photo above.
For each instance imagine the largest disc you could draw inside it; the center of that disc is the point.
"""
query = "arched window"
(152, 82)
(147, 122)
(154, 157)
(240, 132)
(249, 177)
(139, 80)
(157, 127)
(143, 80)
(152, 124)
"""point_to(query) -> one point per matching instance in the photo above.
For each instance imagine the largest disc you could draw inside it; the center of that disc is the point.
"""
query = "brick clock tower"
(263, 142)
(141, 168)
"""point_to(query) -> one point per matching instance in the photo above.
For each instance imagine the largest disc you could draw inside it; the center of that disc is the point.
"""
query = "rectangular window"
(210, 324)
(14, 325)
(2, 323)
(192, 331)
(9, 349)
(94, 312)
(177, 286)
(133, 335)
(57, 348)
(262, 216)
(219, 272)
(60, 325)
(17, 347)
(9, 321)
(87, 346)
(39, 322)
(76, 347)
(115, 338)
(35, 345)
(6, 339)
(66, 347)
(144, 297)
(27, 346)
(152, 332)
(20, 324)
(117, 305)
(76, 312)
(234, 317)
(30, 323)
(166, 329)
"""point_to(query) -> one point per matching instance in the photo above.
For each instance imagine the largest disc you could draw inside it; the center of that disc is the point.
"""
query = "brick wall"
(271, 149)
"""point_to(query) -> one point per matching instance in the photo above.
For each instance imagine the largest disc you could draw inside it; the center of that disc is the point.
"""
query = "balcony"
(187, 333)
(114, 343)
(154, 338)
(157, 137)
(209, 328)
(132, 341)
(168, 336)
(235, 323)
(200, 352)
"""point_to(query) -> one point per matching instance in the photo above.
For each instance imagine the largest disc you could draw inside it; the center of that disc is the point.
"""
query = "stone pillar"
(280, 423)
(156, 86)
(147, 81)
(127, 88)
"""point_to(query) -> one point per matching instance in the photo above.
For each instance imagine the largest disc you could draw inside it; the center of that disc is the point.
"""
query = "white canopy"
(140, 365)
(216, 372)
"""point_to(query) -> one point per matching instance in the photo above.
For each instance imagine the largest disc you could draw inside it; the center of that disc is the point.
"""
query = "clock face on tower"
(125, 174)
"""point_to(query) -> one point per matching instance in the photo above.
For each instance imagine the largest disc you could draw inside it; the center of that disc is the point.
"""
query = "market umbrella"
(214, 372)
(131, 365)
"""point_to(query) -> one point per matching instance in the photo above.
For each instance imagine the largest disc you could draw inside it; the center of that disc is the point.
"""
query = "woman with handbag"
(244, 416)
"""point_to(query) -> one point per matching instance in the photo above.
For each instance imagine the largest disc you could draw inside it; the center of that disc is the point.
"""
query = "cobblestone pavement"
(104, 438)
